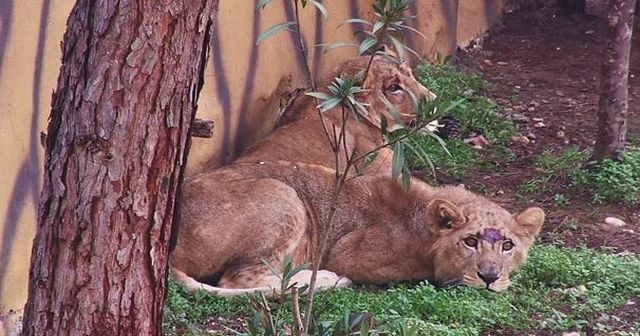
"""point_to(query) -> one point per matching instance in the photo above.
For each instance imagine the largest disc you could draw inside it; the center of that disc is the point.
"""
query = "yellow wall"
(239, 87)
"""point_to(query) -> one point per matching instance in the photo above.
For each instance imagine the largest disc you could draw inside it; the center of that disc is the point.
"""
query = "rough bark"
(115, 152)
(612, 111)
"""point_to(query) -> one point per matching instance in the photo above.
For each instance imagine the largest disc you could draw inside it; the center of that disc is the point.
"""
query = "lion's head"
(479, 243)
(391, 79)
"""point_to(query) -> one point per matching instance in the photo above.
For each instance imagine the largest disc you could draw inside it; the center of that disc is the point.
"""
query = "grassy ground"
(560, 289)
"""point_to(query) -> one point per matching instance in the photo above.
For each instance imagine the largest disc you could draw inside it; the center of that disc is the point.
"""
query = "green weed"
(613, 181)
(552, 170)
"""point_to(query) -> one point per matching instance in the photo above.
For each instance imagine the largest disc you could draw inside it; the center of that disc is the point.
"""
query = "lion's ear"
(442, 214)
(530, 220)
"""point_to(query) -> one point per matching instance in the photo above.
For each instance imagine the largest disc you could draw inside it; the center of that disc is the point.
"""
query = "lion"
(239, 218)
(304, 139)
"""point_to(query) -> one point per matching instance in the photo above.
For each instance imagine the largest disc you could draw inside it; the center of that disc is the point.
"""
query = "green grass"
(543, 297)
(460, 95)
(457, 164)
(477, 113)
(552, 171)
(612, 180)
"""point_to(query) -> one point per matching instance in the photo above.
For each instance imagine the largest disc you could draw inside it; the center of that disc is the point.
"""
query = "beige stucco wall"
(240, 80)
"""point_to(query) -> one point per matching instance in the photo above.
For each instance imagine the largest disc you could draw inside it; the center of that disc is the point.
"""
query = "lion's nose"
(488, 277)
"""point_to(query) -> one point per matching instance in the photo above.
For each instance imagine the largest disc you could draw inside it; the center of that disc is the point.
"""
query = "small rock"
(518, 87)
(576, 291)
(566, 142)
(537, 119)
(500, 192)
(613, 221)
(560, 134)
(519, 117)
(573, 333)
(589, 32)
(559, 93)
(502, 63)
(539, 124)
(531, 109)
(520, 140)
(630, 302)
(488, 62)
(531, 136)
(477, 142)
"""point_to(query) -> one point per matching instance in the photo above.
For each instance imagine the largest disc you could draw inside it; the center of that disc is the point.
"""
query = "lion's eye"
(394, 88)
(471, 242)
(507, 246)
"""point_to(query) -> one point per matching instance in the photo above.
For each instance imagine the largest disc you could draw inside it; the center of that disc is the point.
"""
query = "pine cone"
(450, 129)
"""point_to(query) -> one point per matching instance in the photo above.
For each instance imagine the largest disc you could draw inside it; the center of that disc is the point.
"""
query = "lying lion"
(304, 140)
(236, 217)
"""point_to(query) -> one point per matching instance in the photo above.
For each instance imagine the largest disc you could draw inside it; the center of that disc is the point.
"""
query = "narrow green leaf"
(406, 178)
(329, 104)
(383, 125)
(399, 46)
(453, 105)
(367, 44)
(392, 109)
(271, 268)
(369, 159)
(356, 21)
(413, 30)
(329, 47)
(274, 30)
(262, 4)
(319, 95)
(398, 159)
(440, 141)
(377, 26)
(320, 7)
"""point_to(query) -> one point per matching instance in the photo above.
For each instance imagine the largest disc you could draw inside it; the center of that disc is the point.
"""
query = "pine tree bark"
(115, 154)
(612, 111)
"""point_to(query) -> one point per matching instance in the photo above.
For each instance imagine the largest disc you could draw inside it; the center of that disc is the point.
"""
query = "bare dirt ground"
(544, 64)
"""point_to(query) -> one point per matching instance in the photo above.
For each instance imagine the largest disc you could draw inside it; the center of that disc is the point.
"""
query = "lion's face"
(480, 246)
(389, 79)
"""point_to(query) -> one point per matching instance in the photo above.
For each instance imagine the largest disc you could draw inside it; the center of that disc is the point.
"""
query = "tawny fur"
(235, 217)
(303, 139)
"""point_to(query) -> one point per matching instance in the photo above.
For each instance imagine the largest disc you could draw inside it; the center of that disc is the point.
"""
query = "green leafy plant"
(552, 171)
(560, 200)
(342, 94)
(612, 180)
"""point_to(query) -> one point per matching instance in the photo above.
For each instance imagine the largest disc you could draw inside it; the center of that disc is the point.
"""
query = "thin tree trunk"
(612, 112)
(115, 154)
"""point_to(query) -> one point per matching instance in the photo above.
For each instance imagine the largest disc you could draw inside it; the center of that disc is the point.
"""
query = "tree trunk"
(115, 154)
(612, 112)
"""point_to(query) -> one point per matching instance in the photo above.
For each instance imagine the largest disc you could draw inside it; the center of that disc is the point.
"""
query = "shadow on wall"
(27, 183)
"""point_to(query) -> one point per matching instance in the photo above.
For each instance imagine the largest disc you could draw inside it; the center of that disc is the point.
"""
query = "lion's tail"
(193, 285)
